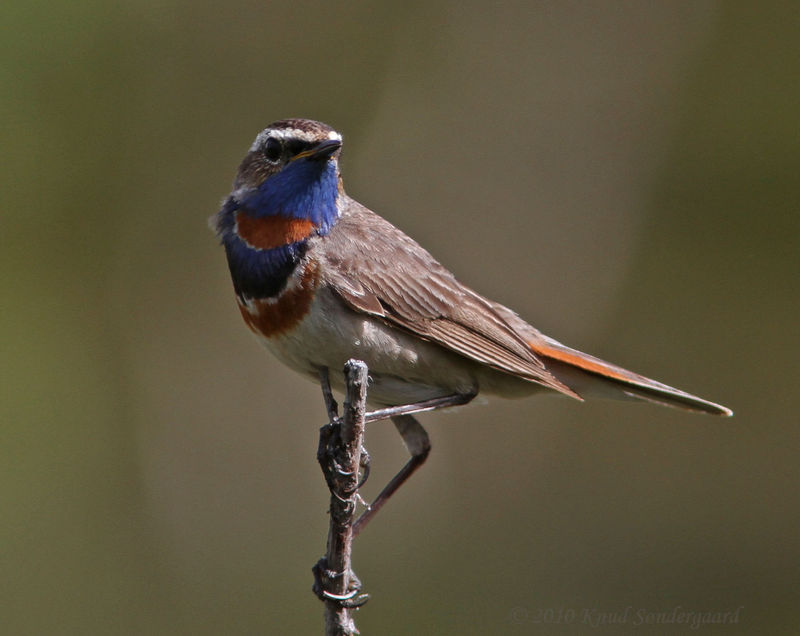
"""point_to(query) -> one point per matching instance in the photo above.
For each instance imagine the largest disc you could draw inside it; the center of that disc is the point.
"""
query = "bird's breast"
(264, 253)
(269, 232)
(275, 315)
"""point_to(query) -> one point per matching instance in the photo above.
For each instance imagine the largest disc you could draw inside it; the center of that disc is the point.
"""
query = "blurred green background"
(625, 175)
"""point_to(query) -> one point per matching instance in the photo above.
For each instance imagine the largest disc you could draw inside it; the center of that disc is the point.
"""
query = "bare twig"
(339, 454)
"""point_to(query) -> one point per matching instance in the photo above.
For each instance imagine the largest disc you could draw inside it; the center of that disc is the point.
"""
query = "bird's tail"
(588, 376)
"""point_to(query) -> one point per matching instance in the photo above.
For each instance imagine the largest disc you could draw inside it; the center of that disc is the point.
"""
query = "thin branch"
(339, 454)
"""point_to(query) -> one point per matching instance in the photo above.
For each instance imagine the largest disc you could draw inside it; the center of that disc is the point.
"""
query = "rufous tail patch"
(582, 361)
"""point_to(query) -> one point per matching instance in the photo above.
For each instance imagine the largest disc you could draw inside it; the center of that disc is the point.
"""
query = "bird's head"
(290, 172)
(294, 153)
(286, 191)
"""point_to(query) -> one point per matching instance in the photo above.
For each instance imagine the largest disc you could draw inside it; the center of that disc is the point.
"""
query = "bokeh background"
(625, 175)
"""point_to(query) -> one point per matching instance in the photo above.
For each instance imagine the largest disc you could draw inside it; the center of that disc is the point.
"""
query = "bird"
(321, 279)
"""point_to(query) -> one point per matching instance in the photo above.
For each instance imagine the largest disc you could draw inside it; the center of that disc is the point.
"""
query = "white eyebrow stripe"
(290, 133)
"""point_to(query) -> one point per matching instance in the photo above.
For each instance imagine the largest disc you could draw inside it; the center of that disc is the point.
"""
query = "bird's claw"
(351, 599)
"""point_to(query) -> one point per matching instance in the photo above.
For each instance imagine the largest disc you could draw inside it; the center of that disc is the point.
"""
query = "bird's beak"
(321, 151)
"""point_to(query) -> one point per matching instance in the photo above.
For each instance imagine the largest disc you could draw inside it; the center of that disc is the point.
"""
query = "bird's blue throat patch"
(304, 189)
(265, 231)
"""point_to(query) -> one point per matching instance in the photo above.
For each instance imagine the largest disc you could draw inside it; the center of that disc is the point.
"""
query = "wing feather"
(378, 270)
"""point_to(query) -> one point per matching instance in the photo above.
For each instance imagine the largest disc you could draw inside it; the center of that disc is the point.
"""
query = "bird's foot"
(324, 579)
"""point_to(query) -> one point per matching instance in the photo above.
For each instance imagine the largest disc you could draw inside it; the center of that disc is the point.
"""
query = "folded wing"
(378, 270)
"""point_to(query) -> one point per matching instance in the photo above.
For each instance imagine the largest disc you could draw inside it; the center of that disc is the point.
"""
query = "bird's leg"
(457, 399)
(414, 437)
(327, 394)
(419, 445)
(416, 440)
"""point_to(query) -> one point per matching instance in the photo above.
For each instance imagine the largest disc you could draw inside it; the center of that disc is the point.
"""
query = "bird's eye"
(272, 149)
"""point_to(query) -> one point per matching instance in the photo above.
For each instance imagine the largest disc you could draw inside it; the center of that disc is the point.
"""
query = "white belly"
(403, 369)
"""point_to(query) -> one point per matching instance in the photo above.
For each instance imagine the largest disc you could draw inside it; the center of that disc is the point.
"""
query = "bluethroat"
(320, 279)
